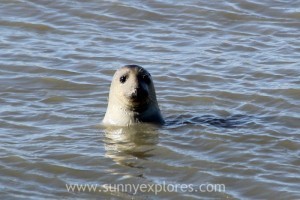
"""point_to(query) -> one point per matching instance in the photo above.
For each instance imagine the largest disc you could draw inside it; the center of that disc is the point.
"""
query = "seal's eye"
(123, 79)
(146, 78)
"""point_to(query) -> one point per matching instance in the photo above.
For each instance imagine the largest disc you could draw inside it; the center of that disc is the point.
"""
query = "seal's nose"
(138, 94)
(134, 94)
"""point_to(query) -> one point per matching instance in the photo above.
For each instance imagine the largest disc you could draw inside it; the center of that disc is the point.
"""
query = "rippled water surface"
(213, 63)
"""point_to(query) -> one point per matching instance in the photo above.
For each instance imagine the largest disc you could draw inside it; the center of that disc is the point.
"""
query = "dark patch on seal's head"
(134, 86)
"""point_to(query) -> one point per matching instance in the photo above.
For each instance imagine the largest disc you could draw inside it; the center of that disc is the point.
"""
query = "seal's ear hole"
(146, 78)
(123, 79)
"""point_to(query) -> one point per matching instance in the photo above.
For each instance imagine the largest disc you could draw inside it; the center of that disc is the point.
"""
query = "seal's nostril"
(134, 94)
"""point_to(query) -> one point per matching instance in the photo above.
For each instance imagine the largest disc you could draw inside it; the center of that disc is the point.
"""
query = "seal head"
(132, 98)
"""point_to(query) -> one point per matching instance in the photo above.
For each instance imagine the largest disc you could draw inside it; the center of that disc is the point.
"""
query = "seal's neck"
(122, 116)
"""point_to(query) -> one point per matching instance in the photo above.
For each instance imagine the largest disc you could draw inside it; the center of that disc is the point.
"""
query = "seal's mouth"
(134, 105)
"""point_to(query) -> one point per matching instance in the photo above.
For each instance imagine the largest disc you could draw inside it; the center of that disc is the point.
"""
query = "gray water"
(209, 60)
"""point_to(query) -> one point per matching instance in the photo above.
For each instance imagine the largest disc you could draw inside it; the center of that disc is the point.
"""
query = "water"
(207, 58)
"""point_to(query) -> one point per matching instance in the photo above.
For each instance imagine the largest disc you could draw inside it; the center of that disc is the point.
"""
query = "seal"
(132, 98)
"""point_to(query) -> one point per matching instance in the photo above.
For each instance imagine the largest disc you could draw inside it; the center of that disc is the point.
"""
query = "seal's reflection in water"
(125, 144)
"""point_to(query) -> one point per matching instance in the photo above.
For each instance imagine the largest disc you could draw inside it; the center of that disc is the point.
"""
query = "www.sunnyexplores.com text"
(145, 188)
